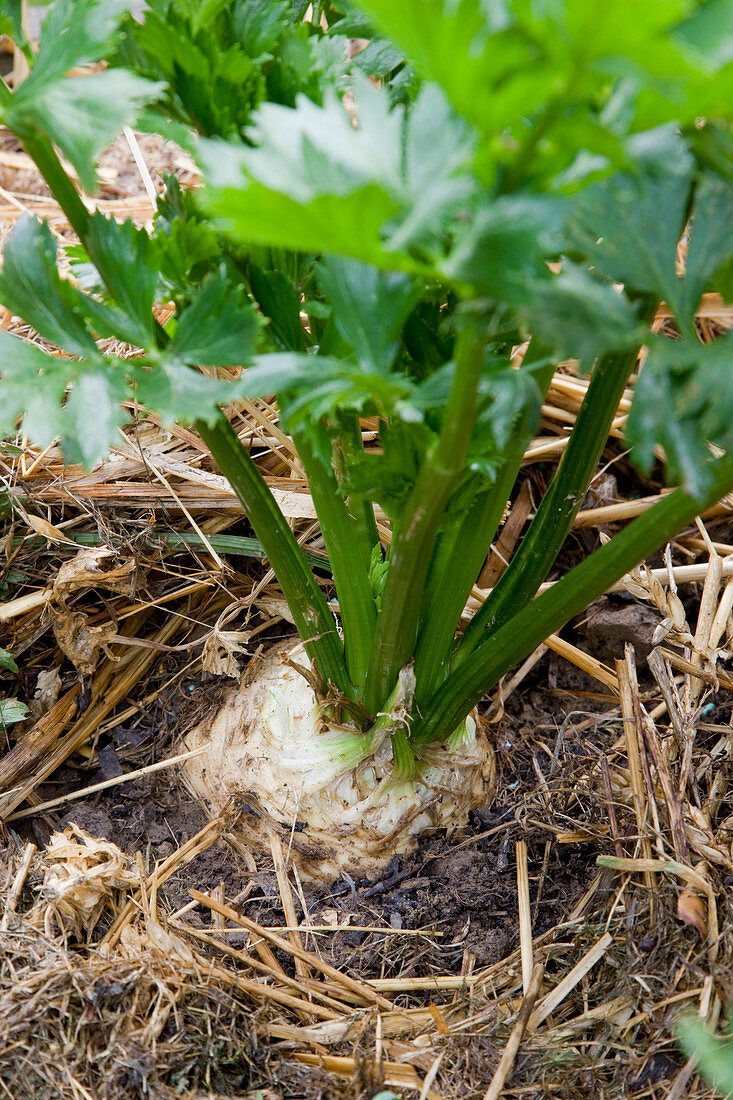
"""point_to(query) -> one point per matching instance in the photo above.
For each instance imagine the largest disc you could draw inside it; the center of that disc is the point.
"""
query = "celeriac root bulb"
(329, 791)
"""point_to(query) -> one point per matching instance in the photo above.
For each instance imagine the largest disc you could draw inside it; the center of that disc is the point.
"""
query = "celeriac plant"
(486, 171)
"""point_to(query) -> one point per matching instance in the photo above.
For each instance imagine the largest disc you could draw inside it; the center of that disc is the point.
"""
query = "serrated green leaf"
(503, 250)
(187, 250)
(11, 22)
(259, 25)
(130, 261)
(74, 32)
(12, 711)
(379, 58)
(682, 402)
(82, 115)
(93, 414)
(33, 387)
(311, 387)
(630, 226)
(710, 245)
(369, 308)
(31, 287)
(219, 328)
(212, 84)
(6, 661)
(177, 393)
(524, 73)
(281, 303)
(203, 12)
(581, 318)
(316, 183)
(712, 1053)
(439, 151)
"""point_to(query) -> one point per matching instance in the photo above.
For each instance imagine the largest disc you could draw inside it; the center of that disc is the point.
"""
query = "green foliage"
(714, 1055)
(521, 168)
(11, 710)
(79, 114)
(382, 192)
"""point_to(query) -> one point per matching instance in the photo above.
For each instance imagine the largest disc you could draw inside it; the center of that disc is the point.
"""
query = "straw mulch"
(122, 587)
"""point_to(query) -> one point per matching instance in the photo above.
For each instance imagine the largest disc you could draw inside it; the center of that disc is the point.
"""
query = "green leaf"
(712, 1053)
(709, 30)
(178, 393)
(581, 318)
(204, 12)
(12, 711)
(33, 387)
(81, 115)
(75, 32)
(130, 262)
(219, 328)
(281, 303)
(93, 414)
(11, 22)
(311, 387)
(630, 226)
(31, 287)
(369, 308)
(450, 44)
(259, 25)
(711, 243)
(683, 403)
(527, 74)
(316, 183)
(212, 84)
(438, 158)
(503, 250)
(6, 661)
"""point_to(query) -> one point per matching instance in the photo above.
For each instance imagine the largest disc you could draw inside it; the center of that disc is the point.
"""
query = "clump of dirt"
(611, 623)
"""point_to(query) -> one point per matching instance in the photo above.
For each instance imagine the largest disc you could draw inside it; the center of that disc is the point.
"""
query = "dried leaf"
(81, 877)
(691, 909)
(47, 530)
(79, 641)
(90, 569)
(48, 686)
(220, 652)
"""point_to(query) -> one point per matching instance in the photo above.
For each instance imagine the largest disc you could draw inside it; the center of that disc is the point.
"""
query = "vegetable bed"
(400, 355)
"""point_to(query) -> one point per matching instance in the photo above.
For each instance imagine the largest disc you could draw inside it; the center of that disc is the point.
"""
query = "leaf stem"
(349, 451)
(412, 545)
(311, 613)
(462, 549)
(554, 517)
(523, 632)
(350, 574)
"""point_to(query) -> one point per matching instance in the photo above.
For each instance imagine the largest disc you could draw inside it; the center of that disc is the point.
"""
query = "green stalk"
(63, 190)
(462, 549)
(554, 517)
(358, 610)
(518, 637)
(351, 451)
(412, 545)
(312, 616)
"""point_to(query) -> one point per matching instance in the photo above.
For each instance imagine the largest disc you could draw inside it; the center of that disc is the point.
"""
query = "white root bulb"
(328, 790)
